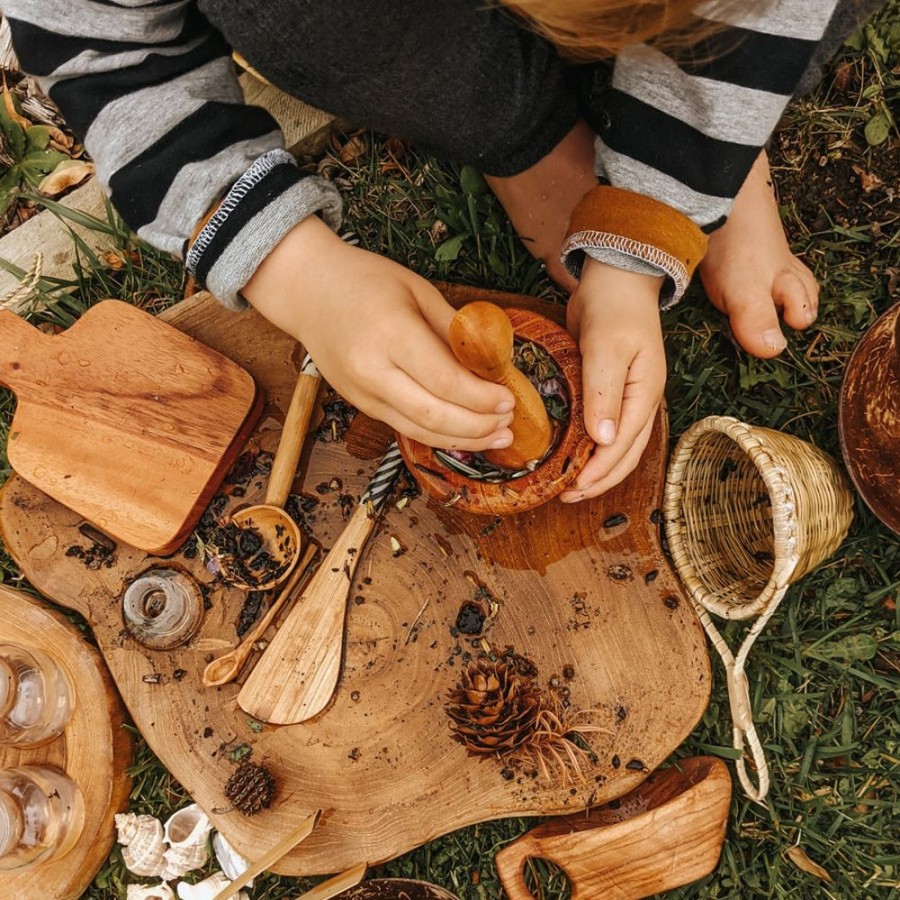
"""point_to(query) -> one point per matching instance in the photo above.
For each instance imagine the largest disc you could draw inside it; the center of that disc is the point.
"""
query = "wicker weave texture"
(750, 510)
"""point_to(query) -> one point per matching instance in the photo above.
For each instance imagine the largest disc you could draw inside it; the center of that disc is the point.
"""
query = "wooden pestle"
(481, 337)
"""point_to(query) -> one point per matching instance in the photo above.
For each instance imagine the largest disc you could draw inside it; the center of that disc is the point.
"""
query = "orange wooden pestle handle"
(481, 337)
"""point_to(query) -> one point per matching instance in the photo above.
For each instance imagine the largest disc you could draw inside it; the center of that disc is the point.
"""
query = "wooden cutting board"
(95, 749)
(125, 419)
(583, 591)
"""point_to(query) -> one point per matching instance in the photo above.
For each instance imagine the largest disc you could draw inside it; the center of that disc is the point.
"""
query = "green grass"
(824, 673)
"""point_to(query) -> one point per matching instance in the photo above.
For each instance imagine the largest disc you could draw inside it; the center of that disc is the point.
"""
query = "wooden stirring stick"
(481, 337)
(267, 860)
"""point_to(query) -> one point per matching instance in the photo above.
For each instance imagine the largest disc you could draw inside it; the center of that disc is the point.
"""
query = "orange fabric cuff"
(612, 218)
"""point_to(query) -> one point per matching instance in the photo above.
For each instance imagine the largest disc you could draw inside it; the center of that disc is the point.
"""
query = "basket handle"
(745, 735)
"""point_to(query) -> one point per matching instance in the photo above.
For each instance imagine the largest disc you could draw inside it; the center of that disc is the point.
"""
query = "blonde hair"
(594, 29)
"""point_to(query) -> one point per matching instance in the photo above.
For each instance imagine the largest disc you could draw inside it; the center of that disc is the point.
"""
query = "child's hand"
(614, 315)
(377, 333)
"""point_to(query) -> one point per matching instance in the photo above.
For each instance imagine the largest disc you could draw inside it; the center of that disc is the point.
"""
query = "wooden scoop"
(665, 833)
(481, 337)
(280, 534)
(227, 667)
(297, 674)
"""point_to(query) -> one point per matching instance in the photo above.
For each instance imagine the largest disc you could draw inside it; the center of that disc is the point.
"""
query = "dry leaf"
(59, 140)
(10, 107)
(353, 149)
(868, 180)
(842, 76)
(797, 855)
(67, 174)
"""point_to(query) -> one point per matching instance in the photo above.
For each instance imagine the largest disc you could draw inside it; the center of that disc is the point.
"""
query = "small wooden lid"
(869, 418)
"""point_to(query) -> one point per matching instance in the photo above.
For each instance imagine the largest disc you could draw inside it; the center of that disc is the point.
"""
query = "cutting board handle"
(511, 867)
(19, 343)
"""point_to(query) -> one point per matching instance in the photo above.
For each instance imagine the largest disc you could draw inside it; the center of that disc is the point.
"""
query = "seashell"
(142, 840)
(186, 832)
(231, 862)
(159, 891)
(207, 889)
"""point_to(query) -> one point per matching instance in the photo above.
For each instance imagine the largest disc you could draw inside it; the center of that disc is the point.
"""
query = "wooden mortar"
(552, 476)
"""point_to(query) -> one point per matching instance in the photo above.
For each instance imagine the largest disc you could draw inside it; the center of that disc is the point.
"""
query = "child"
(149, 86)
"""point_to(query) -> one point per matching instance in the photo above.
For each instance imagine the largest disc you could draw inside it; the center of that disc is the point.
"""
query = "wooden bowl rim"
(530, 490)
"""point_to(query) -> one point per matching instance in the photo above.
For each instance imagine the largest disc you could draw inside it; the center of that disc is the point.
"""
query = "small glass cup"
(41, 815)
(36, 698)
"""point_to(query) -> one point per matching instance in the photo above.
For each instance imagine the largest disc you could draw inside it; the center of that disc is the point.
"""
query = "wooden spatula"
(125, 420)
(298, 672)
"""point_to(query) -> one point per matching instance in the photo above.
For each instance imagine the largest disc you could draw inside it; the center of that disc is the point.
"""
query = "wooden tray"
(584, 592)
(95, 750)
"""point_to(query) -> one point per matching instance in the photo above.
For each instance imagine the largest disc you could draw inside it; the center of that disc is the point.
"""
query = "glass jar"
(36, 698)
(41, 815)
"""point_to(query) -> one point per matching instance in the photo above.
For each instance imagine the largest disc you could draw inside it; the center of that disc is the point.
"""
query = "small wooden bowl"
(557, 472)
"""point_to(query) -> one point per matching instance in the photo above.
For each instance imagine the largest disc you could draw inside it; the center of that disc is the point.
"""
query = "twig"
(416, 619)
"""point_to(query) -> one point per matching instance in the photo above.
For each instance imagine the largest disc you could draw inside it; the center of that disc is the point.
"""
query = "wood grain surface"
(869, 418)
(95, 750)
(583, 591)
(666, 833)
(124, 419)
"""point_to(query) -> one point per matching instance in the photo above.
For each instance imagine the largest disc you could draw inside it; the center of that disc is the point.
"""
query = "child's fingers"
(412, 410)
(605, 372)
(430, 363)
(621, 470)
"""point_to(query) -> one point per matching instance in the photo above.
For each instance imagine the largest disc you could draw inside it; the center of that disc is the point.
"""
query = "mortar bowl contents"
(548, 355)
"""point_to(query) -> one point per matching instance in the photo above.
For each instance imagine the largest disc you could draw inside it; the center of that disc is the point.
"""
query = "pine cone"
(251, 788)
(494, 709)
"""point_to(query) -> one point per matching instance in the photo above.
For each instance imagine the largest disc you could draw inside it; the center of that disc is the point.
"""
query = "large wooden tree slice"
(582, 591)
(95, 750)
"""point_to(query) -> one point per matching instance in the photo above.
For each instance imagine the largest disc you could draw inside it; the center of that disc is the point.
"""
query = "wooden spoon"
(280, 534)
(298, 672)
(481, 337)
(228, 666)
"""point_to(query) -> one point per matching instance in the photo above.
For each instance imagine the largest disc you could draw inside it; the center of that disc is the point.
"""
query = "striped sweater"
(150, 88)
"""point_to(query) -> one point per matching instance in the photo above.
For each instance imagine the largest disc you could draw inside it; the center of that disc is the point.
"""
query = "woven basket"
(748, 512)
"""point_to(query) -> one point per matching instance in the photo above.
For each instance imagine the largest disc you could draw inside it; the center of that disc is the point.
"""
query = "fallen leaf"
(842, 76)
(797, 855)
(353, 149)
(868, 180)
(11, 110)
(59, 140)
(67, 174)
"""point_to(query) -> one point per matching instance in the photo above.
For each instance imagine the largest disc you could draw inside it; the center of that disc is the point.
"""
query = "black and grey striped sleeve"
(687, 130)
(150, 88)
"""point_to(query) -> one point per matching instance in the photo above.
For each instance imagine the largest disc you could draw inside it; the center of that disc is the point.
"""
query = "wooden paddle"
(298, 672)
(124, 419)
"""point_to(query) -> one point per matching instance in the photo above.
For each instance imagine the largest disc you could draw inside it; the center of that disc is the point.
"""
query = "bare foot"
(540, 200)
(750, 273)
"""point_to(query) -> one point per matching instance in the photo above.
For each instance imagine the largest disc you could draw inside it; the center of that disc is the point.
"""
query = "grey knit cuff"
(632, 256)
(264, 204)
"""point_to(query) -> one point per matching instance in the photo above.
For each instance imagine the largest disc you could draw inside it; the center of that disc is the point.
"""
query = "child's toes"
(795, 290)
(754, 321)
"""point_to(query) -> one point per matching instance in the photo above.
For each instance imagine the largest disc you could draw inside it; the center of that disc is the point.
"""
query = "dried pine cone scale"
(251, 788)
(499, 709)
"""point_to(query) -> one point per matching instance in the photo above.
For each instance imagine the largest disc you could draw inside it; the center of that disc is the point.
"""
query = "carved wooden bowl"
(571, 450)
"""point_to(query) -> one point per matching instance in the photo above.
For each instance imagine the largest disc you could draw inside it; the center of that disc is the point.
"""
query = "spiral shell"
(149, 892)
(186, 832)
(207, 889)
(231, 862)
(142, 844)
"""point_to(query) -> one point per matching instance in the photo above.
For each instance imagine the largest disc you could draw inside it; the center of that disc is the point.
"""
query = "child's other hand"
(614, 316)
(377, 333)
